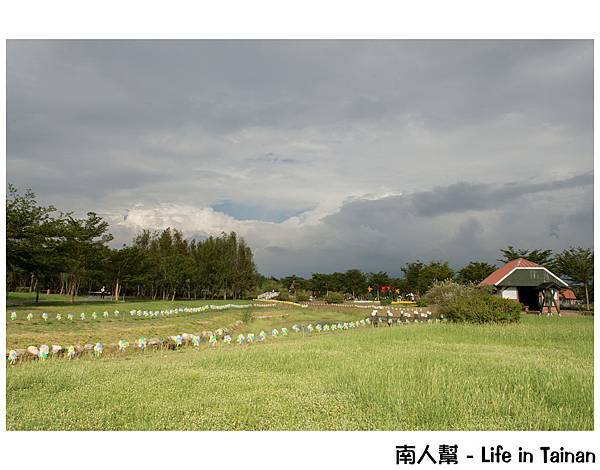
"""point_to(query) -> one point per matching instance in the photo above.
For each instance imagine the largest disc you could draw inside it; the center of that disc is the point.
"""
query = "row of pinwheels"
(178, 341)
(143, 313)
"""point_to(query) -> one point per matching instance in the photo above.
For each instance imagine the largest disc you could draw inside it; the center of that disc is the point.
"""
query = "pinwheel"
(241, 339)
(178, 341)
(94, 316)
(138, 313)
(13, 315)
(339, 326)
(44, 351)
(318, 327)
(82, 316)
(274, 333)
(345, 325)
(227, 339)
(12, 357)
(250, 337)
(362, 322)
(326, 327)
(70, 316)
(213, 340)
(123, 343)
(142, 343)
(368, 321)
(196, 340)
(261, 336)
(284, 331)
(29, 316)
(116, 312)
(296, 328)
(105, 314)
(45, 316)
(70, 352)
(334, 327)
(132, 313)
(58, 317)
(98, 349)
(219, 332)
(309, 328)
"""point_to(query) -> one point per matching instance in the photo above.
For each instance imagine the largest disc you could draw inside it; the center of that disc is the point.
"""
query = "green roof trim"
(530, 277)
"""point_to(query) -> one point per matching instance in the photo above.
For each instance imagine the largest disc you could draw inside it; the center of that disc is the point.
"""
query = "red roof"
(497, 275)
(568, 294)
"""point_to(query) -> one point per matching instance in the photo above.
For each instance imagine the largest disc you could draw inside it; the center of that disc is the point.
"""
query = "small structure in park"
(524, 281)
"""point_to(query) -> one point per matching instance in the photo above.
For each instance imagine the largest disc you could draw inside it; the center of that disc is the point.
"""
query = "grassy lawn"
(537, 375)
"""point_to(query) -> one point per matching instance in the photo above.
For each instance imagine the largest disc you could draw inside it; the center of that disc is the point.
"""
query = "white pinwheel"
(13, 315)
(45, 316)
(70, 316)
(98, 349)
(105, 314)
(29, 316)
(12, 357)
(116, 312)
(44, 351)
(296, 328)
(82, 315)
(94, 315)
(71, 352)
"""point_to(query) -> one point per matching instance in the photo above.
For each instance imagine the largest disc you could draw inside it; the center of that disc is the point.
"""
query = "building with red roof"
(522, 280)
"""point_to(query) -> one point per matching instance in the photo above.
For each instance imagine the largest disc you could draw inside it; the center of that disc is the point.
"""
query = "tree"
(475, 272)
(541, 257)
(355, 282)
(577, 265)
(32, 233)
(432, 272)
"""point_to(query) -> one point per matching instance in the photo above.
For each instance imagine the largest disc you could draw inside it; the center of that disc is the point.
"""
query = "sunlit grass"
(536, 375)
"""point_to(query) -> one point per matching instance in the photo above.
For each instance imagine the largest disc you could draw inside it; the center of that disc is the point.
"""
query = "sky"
(323, 155)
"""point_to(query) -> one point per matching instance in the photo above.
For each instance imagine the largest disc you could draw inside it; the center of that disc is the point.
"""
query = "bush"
(385, 301)
(283, 295)
(477, 306)
(334, 298)
(301, 296)
(444, 291)
(248, 315)
(421, 303)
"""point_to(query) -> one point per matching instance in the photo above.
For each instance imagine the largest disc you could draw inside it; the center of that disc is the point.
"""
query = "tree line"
(575, 265)
(48, 249)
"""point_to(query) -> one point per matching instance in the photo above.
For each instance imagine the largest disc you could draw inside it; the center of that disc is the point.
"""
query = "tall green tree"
(577, 265)
(475, 272)
(539, 256)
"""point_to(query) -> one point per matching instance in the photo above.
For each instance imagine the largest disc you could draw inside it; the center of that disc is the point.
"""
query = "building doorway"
(529, 296)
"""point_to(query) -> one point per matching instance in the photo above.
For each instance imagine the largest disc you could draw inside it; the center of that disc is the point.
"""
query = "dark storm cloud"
(463, 196)
(266, 129)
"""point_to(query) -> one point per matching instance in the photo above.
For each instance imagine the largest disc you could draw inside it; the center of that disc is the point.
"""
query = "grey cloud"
(266, 129)
(473, 196)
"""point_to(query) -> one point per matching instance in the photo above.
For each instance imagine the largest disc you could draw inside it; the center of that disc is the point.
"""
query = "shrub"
(444, 291)
(385, 301)
(283, 295)
(301, 296)
(248, 315)
(334, 298)
(421, 303)
(477, 306)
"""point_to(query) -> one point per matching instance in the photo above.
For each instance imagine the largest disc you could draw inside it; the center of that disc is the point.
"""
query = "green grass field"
(536, 375)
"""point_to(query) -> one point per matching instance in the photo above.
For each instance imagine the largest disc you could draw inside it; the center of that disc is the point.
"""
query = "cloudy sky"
(324, 155)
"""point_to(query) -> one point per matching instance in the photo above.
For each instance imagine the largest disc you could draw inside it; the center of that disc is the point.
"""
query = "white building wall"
(510, 293)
